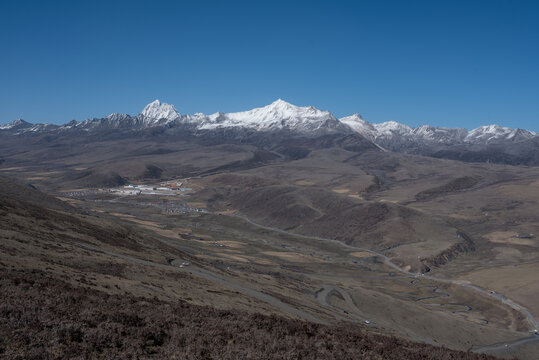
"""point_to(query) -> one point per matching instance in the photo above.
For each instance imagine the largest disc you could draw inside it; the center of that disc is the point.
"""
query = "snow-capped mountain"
(439, 134)
(392, 128)
(279, 115)
(306, 121)
(394, 135)
(356, 123)
(494, 133)
(373, 131)
(15, 124)
(154, 114)
(112, 122)
(156, 110)
(20, 126)
(491, 143)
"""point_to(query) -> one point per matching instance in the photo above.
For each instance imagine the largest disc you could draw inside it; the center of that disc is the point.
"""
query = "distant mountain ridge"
(385, 133)
(309, 121)
(283, 115)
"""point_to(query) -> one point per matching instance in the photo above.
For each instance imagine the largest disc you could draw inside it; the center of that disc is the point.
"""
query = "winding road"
(387, 261)
(324, 294)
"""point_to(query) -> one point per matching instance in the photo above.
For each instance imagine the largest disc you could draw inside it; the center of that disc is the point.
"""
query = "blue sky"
(447, 63)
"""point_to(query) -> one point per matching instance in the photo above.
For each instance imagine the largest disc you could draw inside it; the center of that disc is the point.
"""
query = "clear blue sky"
(447, 63)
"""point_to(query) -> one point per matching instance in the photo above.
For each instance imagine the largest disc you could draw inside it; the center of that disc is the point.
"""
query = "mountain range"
(491, 143)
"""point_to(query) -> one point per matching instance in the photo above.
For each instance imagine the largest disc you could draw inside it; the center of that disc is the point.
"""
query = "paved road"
(387, 261)
(496, 348)
(323, 295)
(441, 294)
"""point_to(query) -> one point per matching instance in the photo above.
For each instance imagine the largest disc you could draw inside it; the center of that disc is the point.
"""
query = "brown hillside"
(43, 318)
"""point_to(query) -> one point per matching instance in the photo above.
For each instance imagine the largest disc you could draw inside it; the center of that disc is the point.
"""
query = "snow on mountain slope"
(487, 133)
(278, 115)
(275, 116)
(394, 133)
(439, 134)
(15, 124)
(361, 126)
(154, 114)
(156, 110)
(385, 130)
(281, 115)
(492, 133)
(111, 122)
(41, 128)
(391, 128)
(520, 134)
(20, 126)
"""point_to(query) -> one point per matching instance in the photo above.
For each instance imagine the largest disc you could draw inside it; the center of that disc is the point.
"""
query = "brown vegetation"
(461, 183)
(43, 318)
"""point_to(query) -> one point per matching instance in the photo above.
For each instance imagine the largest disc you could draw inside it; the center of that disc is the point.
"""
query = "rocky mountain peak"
(156, 110)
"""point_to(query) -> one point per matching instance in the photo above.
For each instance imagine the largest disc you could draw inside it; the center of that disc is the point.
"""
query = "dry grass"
(292, 257)
(519, 282)
(508, 237)
(361, 254)
(78, 322)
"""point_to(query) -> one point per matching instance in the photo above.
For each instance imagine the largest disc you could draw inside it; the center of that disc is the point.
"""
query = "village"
(167, 196)
(168, 188)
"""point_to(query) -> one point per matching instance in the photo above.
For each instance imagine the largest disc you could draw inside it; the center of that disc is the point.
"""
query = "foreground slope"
(80, 322)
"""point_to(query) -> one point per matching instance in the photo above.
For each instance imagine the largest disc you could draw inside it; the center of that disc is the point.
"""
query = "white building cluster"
(165, 189)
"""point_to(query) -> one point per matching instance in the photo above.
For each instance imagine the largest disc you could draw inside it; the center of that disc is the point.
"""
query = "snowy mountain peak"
(279, 115)
(280, 103)
(392, 127)
(282, 108)
(156, 110)
(117, 116)
(518, 134)
(354, 118)
(394, 135)
(356, 122)
(18, 123)
(492, 129)
(489, 133)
